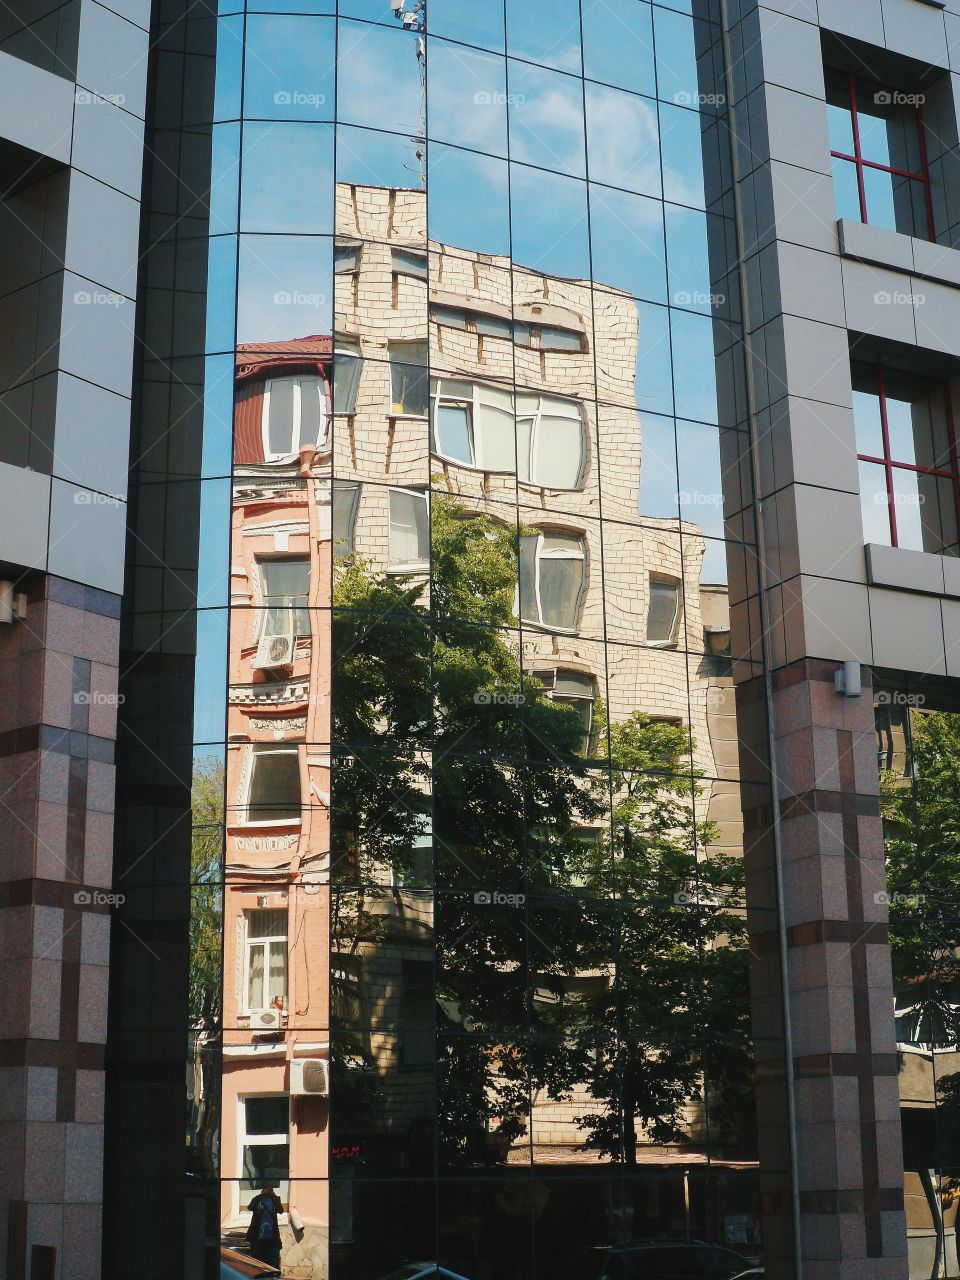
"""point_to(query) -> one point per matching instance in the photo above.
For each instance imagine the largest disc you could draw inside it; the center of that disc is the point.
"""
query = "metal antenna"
(415, 19)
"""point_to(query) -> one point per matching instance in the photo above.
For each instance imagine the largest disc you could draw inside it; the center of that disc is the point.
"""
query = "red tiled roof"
(314, 349)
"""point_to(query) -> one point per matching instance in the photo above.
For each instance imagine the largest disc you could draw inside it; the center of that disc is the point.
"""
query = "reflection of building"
(514, 392)
(275, 1004)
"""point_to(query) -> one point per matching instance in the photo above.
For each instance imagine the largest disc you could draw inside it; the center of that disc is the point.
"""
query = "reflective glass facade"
(429, 759)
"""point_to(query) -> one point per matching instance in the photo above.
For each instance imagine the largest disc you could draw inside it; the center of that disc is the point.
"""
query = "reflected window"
(906, 448)
(492, 326)
(417, 1013)
(346, 259)
(347, 366)
(346, 991)
(409, 530)
(409, 378)
(553, 339)
(408, 262)
(263, 1129)
(449, 316)
(346, 499)
(663, 611)
(578, 691)
(474, 425)
(552, 579)
(284, 589)
(879, 155)
(265, 960)
(294, 415)
(551, 443)
(272, 791)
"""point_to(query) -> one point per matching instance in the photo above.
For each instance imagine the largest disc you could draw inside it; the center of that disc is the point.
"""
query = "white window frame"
(666, 581)
(261, 597)
(249, 943)
(408, 566)
(524, 407)
(253, 750)
(297, 425)
(556, 555)
(549, 407)
(256, 1140)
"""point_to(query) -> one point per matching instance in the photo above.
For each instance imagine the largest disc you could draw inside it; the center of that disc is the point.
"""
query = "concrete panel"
(817, 360)
(937, 309)
(915, 31)
(108, 144)
(810, 284)
(86, 536)
(937, 262)
(109, 260)
(836, 619)
(112, 57)
(92, 440)
(24, 516)
(792, 56)
(822, 443)
(875, 244)
(858, 18)
(829, 533)
(907, 631)
(36, 108)
(97, 334)
(796, 127)
(951, 635)
(879, 301)
(904, 569)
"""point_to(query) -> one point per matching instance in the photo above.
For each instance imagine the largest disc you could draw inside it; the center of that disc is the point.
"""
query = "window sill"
(899, 252)
(916, 571)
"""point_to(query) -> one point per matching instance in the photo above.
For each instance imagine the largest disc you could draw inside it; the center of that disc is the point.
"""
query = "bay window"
(284, 588)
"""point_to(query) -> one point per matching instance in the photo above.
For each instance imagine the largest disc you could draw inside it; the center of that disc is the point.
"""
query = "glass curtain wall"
(918, 731)
(463, 473)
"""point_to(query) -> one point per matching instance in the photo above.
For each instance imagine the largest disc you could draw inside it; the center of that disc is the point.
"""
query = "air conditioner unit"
(309, 1077)
(266, 1020)
(275, 650)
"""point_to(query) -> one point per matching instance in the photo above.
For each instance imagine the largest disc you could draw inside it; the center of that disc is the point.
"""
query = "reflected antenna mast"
(414, 18)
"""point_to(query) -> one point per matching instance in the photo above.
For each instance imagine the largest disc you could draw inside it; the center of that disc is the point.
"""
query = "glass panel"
(409, 377)
(908, 430)
(867, 423)
(627, 242)
(840, 128)
(368, 55)
(846, 190)
(546, 119)
(281, 393)
(409, 527)
(874, 505)
(618, 44)
(549, 220)
(470, 23)
(908, 505)
(558, 456)
(291, 76)
(546, 31)
(287, 178)
(622, 138)
(455, 432)
(467, 102)
(497, 445)
(878, 191)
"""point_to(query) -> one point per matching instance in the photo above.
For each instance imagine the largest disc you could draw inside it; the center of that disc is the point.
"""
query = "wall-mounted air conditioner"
(266, 1020)
(309, 1077)
(275, 650)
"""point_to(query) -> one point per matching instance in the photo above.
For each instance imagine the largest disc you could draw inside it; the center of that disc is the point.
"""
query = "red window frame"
(890, 464)
(923, 177)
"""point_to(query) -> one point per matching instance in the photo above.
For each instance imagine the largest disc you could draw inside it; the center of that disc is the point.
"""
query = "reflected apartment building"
(479, 608)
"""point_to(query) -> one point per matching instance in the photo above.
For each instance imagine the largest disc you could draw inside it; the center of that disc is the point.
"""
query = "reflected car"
(674, 1260)
(240, 1266)
(423, 1271)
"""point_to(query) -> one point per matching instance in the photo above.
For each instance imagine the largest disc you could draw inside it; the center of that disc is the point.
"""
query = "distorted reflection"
(918, 745)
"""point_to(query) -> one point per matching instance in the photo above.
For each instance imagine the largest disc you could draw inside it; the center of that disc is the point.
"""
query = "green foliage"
(206, 913)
